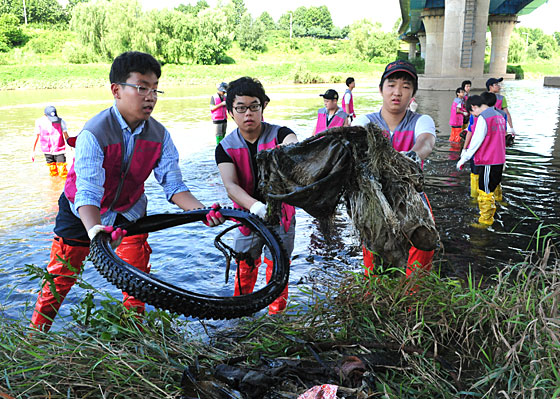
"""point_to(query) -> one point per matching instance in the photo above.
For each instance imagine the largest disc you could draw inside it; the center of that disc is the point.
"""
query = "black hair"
(244, 86)
(133, 61)
(466, 82)
(474, 100)
(401, 75)
(489, 98)
(458, 90)
(349, 81)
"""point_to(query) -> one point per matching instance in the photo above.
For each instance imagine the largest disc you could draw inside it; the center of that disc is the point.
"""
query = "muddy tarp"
(359, 166)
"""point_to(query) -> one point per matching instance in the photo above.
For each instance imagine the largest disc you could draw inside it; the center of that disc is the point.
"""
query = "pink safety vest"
(235, 146)
(493, 149)
(456, 119)
(337, 120)
(348, 108)
(51, 137)
(219, 114)
(124, 183)
(403, 137)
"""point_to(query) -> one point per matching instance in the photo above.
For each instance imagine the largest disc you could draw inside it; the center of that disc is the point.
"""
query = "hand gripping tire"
(163, 295)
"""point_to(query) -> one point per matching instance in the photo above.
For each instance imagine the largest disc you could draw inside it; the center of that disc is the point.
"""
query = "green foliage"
(108, 28)
(11, 34)
(329, 47)
(312, 21)
(371, 43)
(213, 41)
(76, 53)
(517, 49)
(170, 35)
(251, 34)
(540, 45)
(547, 47)
(517, 70)
(41, 11)
(194, 10)
(267, 21)
(303, 75)
(49, 42)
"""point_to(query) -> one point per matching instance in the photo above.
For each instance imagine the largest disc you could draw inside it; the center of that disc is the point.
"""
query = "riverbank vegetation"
(380, 337)
(49, 46)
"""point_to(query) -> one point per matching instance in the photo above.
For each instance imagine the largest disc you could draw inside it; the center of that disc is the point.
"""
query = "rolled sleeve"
(167, 172)
(90, 175)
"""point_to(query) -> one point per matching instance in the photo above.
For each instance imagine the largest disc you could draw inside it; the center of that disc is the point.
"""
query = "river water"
(186, 255)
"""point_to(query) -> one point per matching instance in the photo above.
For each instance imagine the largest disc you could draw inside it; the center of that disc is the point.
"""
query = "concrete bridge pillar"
(452, 37)
(412, 50)
(422, 39)
(501, 27)
(433, 19)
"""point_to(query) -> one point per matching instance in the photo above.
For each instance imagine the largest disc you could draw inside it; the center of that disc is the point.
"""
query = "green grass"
(20, 69)
(380, 337)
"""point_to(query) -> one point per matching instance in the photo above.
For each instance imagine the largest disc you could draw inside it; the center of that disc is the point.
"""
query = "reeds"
(425, 337)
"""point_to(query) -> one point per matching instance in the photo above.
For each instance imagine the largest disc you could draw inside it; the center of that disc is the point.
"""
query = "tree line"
(93, 31)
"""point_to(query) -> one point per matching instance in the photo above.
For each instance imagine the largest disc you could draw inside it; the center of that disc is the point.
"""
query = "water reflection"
(186, 255)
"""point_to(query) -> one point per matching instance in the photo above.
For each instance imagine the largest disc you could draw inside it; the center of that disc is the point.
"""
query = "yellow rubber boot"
(498, 196)
(487, 206)
(62, 171)
(474, 185)
(53, 169)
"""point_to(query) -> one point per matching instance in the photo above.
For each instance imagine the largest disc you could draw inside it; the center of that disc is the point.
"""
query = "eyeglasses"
(143, 91)
(243, 108)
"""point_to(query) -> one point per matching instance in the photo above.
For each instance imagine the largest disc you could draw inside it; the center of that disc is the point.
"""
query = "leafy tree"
(11, 34)
(318, 17)
(240, 10)
(267, 21)
(89, 23)
(37, 11)
(251, 34)
(171, 35)
(214, 40)
(557, 38)
(517, 50)
(123, 19)
(194, 10)
(547, 47)
(370, 42)
(312, 21)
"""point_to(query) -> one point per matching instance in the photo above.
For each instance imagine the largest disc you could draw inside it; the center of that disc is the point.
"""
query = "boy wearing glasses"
(236, 159)
(115, 153)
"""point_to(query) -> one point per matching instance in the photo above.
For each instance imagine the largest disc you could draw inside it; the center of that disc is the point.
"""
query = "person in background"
(236, 159)
(466, 86)
(218, 111)
(331, 115)
(348, 99)
(458, 113)
(488, 147)
(412, 134)
(116, 152)
(52, 133)
(493, 86)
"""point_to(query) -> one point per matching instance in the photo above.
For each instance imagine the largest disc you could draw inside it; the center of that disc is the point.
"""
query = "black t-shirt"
(222, 156)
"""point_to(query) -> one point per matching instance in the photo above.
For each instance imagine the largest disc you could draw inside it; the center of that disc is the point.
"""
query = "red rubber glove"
(214, 217)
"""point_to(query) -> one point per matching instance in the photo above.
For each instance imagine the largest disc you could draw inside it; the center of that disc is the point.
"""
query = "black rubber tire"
(160, 294)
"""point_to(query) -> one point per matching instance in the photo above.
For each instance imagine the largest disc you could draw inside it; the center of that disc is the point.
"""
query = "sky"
(344, 12)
